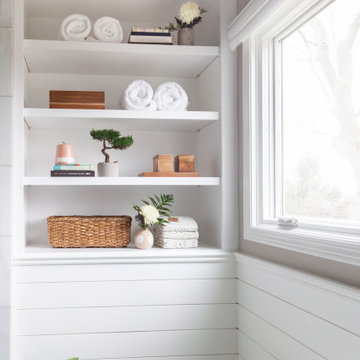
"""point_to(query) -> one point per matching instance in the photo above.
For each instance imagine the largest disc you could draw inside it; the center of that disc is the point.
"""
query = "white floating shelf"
(41, 253)
(97, 58)
(121, 181)
(124, 119)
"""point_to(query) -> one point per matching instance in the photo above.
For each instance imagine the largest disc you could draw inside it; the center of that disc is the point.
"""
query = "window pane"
(321, 116)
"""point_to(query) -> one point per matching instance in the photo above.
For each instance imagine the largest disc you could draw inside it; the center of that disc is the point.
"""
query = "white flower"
(150, 214)
(189, 11)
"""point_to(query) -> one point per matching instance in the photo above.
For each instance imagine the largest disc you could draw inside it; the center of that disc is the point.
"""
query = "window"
(319, 117)
(301, 133)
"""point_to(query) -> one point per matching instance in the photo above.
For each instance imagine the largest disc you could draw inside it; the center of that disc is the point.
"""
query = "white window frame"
(259, 28)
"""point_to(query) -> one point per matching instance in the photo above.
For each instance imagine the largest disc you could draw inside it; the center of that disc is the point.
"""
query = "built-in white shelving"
(125, 119)
(43, 252)
(205, 71)
(121, 181)
(97, 58)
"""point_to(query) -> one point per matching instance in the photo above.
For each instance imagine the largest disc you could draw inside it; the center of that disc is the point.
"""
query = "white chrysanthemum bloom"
(189, 11)
(150, 214)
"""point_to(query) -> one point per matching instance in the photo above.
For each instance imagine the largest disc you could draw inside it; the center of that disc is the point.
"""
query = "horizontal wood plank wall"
(285, 314)
(118, 311)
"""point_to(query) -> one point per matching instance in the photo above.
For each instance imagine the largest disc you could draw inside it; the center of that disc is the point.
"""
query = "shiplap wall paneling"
(5, 130)
(126, 319)
(250, 350)
(307, 292)
(6, 36)
(117, 311)
(122, 293)
(196, 357)
(285, 314)
(132, 271)
(4, 333)
(6, 13)
(136, 344)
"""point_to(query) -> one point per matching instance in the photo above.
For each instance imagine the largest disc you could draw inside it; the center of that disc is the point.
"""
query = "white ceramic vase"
(144, 239)
(108, 169)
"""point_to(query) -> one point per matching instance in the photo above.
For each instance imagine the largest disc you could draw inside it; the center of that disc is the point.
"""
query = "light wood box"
(163, 163)
(185, 163)
(169, 174)
(77, 99)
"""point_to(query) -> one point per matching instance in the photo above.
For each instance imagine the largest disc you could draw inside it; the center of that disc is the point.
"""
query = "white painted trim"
(338, 244)
(250, 19)
(49, 256)
(229, 144)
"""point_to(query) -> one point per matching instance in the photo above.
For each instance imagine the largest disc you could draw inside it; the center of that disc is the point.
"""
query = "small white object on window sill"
(285, 221)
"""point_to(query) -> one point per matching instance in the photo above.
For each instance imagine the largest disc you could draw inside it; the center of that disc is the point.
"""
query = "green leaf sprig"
(162, 203)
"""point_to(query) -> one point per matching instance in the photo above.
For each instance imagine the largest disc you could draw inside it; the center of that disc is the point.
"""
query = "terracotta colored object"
(169, 174)
(77, 99)
(144, 239)
(185, 163)
(64, 154)
(186, 36)
(163, 163)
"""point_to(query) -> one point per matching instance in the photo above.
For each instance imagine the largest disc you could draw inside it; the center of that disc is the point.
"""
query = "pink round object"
(144, 239)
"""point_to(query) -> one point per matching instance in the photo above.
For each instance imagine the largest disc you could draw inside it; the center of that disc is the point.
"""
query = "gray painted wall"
(330, 269)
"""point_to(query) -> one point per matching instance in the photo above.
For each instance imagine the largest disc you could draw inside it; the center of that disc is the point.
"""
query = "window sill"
(339, 247)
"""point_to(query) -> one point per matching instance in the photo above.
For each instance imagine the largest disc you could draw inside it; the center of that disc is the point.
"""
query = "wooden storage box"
(163, 163)
(89, 231)
(77, 99)
(185, 163)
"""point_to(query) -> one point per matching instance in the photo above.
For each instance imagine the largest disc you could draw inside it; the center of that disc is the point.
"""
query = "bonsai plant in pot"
(189, 15)
(111, 139)
(154, 211)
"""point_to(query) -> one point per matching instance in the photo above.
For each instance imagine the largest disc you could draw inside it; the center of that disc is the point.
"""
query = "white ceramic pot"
(108, 169)
(144, 239)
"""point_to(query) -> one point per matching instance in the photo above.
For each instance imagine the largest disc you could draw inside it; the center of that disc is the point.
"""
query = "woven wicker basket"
(89, 231)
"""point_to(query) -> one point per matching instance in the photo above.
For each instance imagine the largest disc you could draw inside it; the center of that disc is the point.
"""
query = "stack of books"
(72, 170)
(150, 36)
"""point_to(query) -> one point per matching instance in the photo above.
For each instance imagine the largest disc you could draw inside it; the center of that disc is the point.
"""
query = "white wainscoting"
(115, 311)
(289, 315)
(4, 332)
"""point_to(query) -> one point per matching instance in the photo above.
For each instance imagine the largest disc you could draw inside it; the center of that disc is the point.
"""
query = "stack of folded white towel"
(139, 95)
(182, 234)
(77, 27)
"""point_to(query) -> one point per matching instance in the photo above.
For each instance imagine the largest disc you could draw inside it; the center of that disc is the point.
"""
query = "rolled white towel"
(108, 29)
(170, 96)
(138, 95)
(75, 27)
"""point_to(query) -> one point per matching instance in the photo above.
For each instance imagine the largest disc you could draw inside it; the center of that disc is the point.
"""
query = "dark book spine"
(73, 173)
(156, 34)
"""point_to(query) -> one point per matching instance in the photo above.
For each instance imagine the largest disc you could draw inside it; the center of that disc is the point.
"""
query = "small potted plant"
(111, 139)
(189, 15)
(154, 211)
